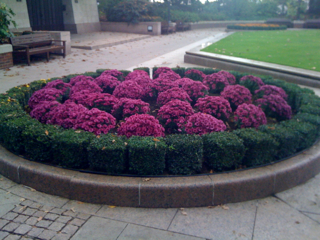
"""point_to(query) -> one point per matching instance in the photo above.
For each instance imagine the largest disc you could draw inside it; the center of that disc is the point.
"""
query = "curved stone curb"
(163, 192)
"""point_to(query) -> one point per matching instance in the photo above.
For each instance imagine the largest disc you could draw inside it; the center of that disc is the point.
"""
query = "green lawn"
(296, 48)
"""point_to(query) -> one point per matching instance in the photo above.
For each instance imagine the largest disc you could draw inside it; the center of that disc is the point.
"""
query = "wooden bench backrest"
(32, 40)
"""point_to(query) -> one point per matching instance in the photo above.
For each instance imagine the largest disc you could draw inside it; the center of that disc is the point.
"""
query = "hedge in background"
(146, 155)
(223, 150)
(185, 153)
(108, 154)
(261, 148)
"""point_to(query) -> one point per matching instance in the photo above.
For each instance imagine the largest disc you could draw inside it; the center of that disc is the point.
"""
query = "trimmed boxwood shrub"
(310, 118)
(223, 150)
(310, 109)
(184, 154)
(107, 154)
(71, 148)
(179, 70)
(146, 155)
(288, 141)
(261, 147)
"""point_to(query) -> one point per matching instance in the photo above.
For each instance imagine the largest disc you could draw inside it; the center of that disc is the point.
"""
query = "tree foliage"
(6, 15)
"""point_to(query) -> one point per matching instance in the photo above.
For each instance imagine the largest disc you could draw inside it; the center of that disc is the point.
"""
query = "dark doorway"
(45, 15)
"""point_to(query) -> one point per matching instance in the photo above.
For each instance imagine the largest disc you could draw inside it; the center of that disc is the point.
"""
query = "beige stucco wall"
(141, 28)
(21, 11)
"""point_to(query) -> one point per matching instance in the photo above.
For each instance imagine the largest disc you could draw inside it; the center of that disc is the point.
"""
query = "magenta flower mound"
(95, 121)
(113, 73)
(142, 78)
(163, 84)
(161, 70)
(169, 75)
(201, 123)
(66, 114)
(174, 113)
(249, 115)
(79, 78)
(41, 110)
(275, 106)
(270, 89)
(172, 94)
(107, 82)
(137, 74)
(230, 77)
(58, 84)
(214, 105)
(180, 82)
(127, 107)
(252, 79)
(128, 89)
(45, 94)
(236, 95)
(85, 85)
(216, 82)
(141, 125)
(194, 74)
(195, 89)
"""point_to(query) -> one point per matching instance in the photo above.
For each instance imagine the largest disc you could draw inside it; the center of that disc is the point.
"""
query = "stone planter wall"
(140, 28)
(6, 60)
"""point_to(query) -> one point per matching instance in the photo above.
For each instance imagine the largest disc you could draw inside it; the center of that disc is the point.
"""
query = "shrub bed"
(257, 26)
(85, 137)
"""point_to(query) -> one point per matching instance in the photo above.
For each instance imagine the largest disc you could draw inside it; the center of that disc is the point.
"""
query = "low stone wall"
(218, 24)
(6, 60)
(151, 28)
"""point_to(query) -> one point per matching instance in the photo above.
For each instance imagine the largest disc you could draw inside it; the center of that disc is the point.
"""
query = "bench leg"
(47, 56)
(28, 59)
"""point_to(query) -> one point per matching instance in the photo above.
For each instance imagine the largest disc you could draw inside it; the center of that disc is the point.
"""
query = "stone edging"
(163, 192)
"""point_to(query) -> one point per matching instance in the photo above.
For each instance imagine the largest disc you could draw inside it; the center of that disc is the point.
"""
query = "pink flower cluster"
(126, 107)
(137, 74)
(216, 82)
(128, 89)
(107, 82)
(163, 84)
(252, 79)
(169, 75)
(41, 111)
(249, 115)
(172, 94)
(114, 73)
(161, 70)
(174, 114)
(143, 80)
(58, 84)
(236, 95)
(45, 94)
(194, 74)
(86, 85)
(195, 89)
(79, 78)
(201, 123)
(275, 106)
(230, 77)
(270, 89)
(95, 121)
(141, 125)
(214, 105)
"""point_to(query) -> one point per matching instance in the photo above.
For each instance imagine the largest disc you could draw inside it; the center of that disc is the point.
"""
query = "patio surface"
(26, 213)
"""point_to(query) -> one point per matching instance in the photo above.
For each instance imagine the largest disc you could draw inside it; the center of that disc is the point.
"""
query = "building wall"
(21, 11)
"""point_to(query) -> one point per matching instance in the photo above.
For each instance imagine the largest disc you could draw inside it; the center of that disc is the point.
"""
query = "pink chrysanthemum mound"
(172, 94)
(128, 89)
(230, 77)
(114, 73)
(275, 106)
(270, 89)
(137, 74)
(141, 125)
(87, 85)
(195, 74)
(180, 82)
(41, 110)
(214, 105)
(58, 84)
(142, 78)
(127, 107)
(201, 123)
(66, 114)
(174, 113)
(163, 84)
(195, 89)
(107, 82)
(169, 75)
(216, 82)
(253, 83)
(95, 121)
(79, 78)
(252, 79)
(45, 94)
(161, 70)
(236, 95)
(249, 115)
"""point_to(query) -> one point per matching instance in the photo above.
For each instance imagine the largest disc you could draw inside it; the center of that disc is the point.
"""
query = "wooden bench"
(40, 43)
(167, 28)
(181, 26)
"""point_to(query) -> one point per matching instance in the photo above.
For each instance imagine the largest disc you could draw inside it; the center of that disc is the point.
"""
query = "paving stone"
(315, 217)
(3, 222)
(8, 202)
(145, 233)
(39, 214)
(46, 208)
(36, 205)
(29, 211)
(10, 227)
(51, 216)
(27, 203)
(47, 234)
(82, 207)
(56, 226)
(23, 229)
(77, 222)
(70, 213)
(64, 219)
(69, 229)
(62, 236)
(12, 237)
(83, 216)
(10, 216)
(97, 228)
(6, 183)
(32, 221)
(3, 235)
(21, 219)
(19, 209)
(35, 232)
(43, 223)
